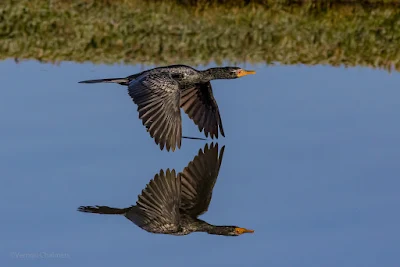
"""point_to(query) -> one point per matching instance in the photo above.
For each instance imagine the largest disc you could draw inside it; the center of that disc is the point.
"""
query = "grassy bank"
(153, 32)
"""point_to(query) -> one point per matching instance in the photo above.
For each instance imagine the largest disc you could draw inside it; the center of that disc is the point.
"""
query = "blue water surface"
(311, 164)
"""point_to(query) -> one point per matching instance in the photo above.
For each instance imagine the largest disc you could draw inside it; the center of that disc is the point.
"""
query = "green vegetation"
(171, 32)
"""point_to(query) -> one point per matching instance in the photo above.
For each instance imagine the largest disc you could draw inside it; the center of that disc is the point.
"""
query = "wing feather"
(198, 180)
(157, 96)
(157, 207)
(199, 103)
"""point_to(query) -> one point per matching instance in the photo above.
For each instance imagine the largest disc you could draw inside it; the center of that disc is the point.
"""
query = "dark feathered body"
(184, 75)
(160, 93)
(187, 225)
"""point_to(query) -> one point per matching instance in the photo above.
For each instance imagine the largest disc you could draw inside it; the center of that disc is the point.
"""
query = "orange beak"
(242, 73)
(243, 230)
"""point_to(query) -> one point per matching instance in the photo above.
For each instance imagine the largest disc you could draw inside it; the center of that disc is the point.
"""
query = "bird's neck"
(213, 74)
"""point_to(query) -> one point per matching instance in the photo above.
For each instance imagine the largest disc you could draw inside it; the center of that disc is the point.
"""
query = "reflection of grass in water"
(133, 31)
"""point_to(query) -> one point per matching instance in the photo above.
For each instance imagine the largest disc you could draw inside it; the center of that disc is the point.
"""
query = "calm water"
(311, 164)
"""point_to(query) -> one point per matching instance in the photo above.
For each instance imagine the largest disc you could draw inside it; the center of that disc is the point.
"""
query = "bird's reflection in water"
(171, 203)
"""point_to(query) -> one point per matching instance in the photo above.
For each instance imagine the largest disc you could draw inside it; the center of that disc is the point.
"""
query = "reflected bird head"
(235, 231)
(240, 231)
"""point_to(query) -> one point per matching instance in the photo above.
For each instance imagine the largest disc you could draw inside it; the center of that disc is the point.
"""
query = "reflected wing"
(157, 97)
(198, 180)
(157, 208)
(200, 105)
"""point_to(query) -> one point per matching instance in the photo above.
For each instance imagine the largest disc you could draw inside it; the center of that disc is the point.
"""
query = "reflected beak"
(244, 230)
(242, 73)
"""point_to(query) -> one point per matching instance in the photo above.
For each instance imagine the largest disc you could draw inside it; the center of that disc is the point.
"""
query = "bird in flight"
(171, 203)
(159, 94)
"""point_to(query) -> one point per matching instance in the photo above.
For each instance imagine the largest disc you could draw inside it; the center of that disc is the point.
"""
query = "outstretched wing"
(198, 180)
(157, 208)
(199, 103)
(157, 97)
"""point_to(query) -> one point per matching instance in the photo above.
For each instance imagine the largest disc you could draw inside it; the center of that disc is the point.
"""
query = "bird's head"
(236, 72)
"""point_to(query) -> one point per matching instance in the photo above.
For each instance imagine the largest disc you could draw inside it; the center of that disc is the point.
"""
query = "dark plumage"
(171, 204)
(160, 93)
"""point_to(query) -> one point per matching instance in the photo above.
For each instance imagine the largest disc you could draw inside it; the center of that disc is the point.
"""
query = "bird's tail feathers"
(122, 81)
(103, 210)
